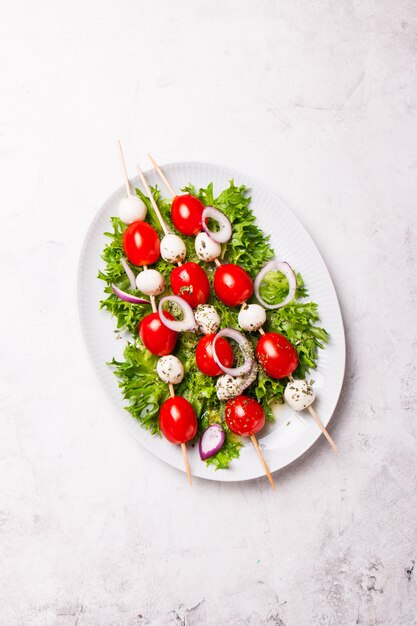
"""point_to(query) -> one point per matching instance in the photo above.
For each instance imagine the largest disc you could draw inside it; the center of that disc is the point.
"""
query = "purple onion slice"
(211, 441)
(286, 269)
(245, 348)
(225, 231)
(187, 323)
(129, 273)
(127, 297)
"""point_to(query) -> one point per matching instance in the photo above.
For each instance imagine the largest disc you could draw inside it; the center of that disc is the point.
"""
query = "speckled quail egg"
(172, 248)
(132, 209)
(299, 394)
(207, 318)
(206, 248)
(150, 282)
(251, 317)
(170, 369)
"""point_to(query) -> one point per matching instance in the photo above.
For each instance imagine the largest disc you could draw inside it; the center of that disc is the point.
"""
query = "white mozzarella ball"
(132, 209)
(150, 282)
(172, 248)
(207, 318)
(228, 387)
(206, 248)
(251, 317)
(170, 369)
(299, 394)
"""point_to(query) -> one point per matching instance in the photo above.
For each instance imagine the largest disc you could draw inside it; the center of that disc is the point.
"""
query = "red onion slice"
(127, 297)
(187, 323)
(225, 232)
(211, 441)
(245, 348)
(286, 269)
(129, 273)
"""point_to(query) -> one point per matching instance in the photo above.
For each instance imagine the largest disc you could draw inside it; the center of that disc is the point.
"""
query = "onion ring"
(286, 269)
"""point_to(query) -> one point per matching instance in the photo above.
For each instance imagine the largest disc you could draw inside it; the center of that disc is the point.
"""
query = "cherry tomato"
(186, 213)
(232, 284)
(276, 355)
(141, 243)
(191, 283)
(177, 420)
(244, 416)
(156, 337)
(204, 355)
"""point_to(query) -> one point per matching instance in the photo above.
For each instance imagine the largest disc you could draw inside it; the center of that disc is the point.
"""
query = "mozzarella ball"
(207, 318)
(172, 248)
(228, 387)
(150, 282)
(170, 369)
(132, 209)
(206, 248)
(251, 317)
(299, 394)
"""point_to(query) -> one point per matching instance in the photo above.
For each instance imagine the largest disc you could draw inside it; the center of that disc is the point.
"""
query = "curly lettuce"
(250, 248)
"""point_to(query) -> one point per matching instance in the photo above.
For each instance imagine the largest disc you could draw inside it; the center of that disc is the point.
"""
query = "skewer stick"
(322, 428)
(187, 464)
(261, 456)
(153, 202)
(319, 423)
(162, 176)
(217, 262)
(171, 390)
(124, 170)
(261, 331)
(153, 303)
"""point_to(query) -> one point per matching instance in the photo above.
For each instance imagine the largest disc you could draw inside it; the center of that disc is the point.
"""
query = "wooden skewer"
(322, 428)
(153, 201)
(261, 456)
(124, 170)
(162, 176)
(261, 331)
(217, 262)
(187, 464)
(319, 423)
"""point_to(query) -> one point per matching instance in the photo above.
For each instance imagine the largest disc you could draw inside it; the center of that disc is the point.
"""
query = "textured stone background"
(316, 99)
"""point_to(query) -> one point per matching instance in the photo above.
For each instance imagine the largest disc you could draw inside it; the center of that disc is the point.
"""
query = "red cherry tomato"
(141, 243)
(232, 284)
(186, 212)
(204, 355)
(244, 416)
(156, 337)
(191, 283)
(276, 355)
(177, 420)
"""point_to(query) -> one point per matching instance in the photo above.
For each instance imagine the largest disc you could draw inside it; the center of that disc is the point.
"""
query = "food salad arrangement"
(219, 328)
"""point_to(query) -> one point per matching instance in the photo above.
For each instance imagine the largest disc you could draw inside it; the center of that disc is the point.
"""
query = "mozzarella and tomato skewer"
(232, 283)
(245, 417)
(177, 418)
(276, 355)
(187, 280)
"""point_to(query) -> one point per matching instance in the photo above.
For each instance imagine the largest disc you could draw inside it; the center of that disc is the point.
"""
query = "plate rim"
(220, 475)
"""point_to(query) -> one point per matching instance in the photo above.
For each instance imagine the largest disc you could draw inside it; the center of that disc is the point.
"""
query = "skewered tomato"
(232, 284)
(177, 420)
(156, 337)
(276, 355)
(244, 416)
(141, 243)
(204, 355)
(186, 214)
(191, 283)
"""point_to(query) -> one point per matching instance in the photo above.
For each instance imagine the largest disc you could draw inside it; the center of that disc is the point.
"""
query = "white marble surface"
(316, 99)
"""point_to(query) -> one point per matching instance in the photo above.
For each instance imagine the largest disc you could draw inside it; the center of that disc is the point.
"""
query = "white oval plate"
(292, 433)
